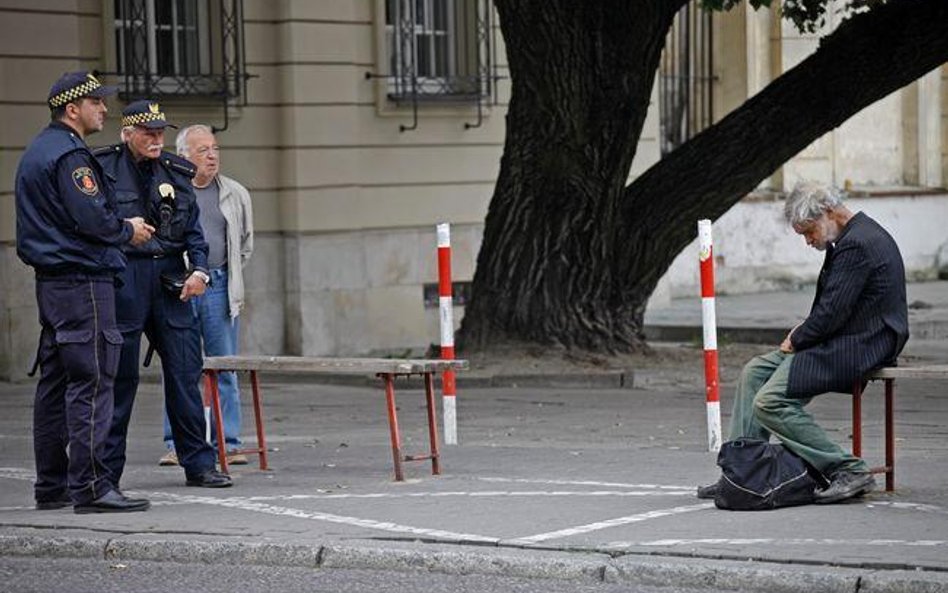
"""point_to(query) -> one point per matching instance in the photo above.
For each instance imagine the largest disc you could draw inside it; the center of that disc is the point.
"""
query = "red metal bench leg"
(432, 425)
(206, 398)
(258, 417)
(890, 435)
(857, 418)
(389, 380)
(218, 418)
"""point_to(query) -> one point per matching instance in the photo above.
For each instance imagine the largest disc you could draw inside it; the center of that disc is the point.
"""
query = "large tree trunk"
(568, 256)
(581, 74)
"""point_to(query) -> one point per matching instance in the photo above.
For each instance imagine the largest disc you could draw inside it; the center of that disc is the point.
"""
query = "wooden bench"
(888, 375)
(385, 368)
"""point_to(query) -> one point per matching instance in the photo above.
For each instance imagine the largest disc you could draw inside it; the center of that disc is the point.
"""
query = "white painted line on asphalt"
(778, 542)
(484, 494)
(612, 523)
(17, 473)
(587, 483)
(909, 506)
(319, 516)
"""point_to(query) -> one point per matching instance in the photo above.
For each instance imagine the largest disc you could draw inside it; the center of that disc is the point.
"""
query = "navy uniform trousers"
(78, 355)
(143, 305)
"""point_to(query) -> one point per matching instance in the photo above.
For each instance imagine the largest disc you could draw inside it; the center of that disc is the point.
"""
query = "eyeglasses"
(205, 150)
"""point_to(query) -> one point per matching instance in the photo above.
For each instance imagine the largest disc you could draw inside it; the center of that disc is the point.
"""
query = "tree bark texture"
(578, 103)
(569, 255)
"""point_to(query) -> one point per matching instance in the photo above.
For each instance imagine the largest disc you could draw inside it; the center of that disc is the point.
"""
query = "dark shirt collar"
(145, 170)
(144, 165)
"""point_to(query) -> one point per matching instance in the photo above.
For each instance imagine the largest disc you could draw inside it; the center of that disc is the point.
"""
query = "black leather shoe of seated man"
(210, 479)
(708, 491)
(112, 502)
(845, 485)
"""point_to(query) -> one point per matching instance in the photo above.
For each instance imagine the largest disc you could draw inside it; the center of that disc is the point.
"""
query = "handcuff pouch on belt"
(173, 282)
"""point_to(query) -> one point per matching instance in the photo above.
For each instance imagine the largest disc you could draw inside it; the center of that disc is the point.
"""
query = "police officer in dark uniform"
(68, 230)
(156, 287)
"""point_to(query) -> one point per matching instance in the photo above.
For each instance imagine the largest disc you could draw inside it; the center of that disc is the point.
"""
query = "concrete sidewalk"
(548, 482)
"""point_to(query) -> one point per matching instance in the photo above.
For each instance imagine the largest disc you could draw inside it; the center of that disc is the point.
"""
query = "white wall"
(755, 251)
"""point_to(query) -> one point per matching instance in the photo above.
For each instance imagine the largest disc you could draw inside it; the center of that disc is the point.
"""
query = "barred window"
(179, 47)
(438, 49)
(686, 75)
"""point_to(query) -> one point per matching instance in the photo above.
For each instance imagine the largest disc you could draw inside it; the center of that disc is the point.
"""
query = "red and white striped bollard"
(709, 323)
(446, 308)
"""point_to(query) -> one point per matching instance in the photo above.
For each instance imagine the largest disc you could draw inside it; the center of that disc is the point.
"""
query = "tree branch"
(868, 57)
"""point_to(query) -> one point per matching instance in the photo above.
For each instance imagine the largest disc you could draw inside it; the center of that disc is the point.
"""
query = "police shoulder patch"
(85, 181)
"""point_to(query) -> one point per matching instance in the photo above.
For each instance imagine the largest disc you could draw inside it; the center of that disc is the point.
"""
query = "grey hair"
(809, 200)
(181, 140)
(125, 131)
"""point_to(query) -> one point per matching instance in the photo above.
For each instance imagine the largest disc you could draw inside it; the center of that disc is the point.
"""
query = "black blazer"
(859, 317)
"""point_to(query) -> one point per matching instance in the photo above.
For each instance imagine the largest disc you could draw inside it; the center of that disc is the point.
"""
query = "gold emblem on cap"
(153, 107)
(92, 78)
(166, 190)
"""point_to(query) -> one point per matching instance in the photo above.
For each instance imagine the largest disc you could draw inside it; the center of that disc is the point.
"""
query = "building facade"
(358, 125)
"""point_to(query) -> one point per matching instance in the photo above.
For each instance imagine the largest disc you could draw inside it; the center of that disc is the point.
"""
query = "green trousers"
(762, 408)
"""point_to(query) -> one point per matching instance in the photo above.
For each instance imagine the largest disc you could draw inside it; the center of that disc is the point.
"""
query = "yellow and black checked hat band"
(144, 113)
(141, 118)
(75, 85)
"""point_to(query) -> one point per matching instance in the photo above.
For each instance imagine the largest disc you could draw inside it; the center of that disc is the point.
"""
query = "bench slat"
(933, 371)
(309, 364)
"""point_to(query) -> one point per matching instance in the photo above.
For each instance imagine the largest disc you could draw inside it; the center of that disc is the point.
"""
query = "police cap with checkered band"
(76, 85)
(145, 114)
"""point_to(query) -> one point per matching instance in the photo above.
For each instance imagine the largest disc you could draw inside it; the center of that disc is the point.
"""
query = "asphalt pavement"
(591, 485)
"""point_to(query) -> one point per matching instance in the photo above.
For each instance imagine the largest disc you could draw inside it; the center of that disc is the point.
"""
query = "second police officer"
(161, 276)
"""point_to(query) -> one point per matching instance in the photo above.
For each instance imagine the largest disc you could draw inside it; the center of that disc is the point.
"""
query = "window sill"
(458, 98)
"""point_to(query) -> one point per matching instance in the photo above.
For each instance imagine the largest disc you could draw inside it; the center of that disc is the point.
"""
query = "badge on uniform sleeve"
(85, 181)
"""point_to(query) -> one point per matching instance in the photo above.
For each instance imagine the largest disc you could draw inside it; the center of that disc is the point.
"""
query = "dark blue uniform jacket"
(160, 191)
(66, 219)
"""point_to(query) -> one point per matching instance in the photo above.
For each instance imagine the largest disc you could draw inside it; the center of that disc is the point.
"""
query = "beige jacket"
(238, 212)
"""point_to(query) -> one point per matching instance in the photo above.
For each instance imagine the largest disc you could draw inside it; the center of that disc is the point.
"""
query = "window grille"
(685, 78)
(180, 48)
(439, 50)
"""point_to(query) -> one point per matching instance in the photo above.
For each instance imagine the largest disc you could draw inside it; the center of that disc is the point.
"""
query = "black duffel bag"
(757, 475)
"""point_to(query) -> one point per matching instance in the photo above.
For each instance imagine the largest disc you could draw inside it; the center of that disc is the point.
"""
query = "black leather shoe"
(845, 485)
(210, 479)
(112, 502)
(708, 491)
(60, 502)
